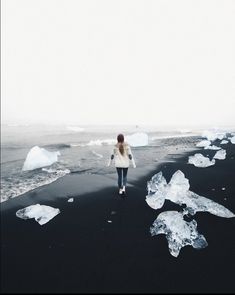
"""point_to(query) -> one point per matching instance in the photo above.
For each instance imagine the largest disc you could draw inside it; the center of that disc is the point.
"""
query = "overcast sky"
(110, 62)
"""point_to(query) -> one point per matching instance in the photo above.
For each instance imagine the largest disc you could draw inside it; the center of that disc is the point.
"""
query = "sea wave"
(12, 187)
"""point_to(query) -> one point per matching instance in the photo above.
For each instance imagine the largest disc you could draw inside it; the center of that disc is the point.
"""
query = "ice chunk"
(179, 233)
(212, 147)
(224, 141)
(199, 160)
(41, 213)
(177, 191)
(232, 140)
(213, 135)
(137, 139)
(220, 155)
(70, 200)
(203, 143)
(39, 157)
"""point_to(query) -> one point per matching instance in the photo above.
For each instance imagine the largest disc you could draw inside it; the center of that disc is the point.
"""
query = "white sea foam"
(137, 139)
(97, 154)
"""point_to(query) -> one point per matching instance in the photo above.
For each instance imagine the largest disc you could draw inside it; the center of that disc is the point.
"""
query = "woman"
(122, 156)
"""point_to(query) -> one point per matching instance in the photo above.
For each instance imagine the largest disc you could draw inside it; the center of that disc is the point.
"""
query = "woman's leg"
(125, 170)
(119, 172)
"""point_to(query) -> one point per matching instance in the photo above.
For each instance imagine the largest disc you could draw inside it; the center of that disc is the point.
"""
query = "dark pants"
(122, 176)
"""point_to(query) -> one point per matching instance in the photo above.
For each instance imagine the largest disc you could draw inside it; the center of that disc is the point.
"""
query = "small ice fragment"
(41, 213)
(223, 188)
(199, 160)
(220, 155)
(179, 233)
(203, 143)
(113, 212)
(109, 221)
(232, 140)
(212, 147)
(70, 200)
(224, 141)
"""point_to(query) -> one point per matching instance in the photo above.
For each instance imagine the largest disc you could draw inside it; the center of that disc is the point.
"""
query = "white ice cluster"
(232, 139)
(177, 191)
(41, 213)
(39, 157)
(179, 233)
(199, 160)
(203, 143)
(213, 135)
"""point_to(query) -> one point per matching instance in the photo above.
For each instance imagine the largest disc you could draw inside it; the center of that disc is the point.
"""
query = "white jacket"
(122, 161)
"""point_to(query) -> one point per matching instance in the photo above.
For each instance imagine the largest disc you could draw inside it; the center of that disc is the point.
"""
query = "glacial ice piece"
(224, 141)
(41, 213)
(137, 139)
(38, 158)
(232, 140)
(213, 135)
(177, 191)
(203, 143)
(199, 160)
(212, 147)
(220, 155)
(179, 233)
(70, 200)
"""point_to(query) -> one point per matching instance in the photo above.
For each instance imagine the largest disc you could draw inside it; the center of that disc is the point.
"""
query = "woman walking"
(122, 155)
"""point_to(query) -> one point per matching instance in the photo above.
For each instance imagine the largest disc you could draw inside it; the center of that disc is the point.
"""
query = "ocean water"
(83, 149)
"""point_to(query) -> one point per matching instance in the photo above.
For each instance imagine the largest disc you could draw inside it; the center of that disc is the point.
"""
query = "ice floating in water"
(41, 213)
(232, 140)
(70, 200)
(177, 191)
(39, 157)
(220, 155)
(75, 128)
(137, 139)
(199, 160)
(224, 141)
(179, 232)
(212, 147)
(203, 143)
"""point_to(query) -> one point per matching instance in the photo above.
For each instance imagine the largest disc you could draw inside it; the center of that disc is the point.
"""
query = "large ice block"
(199, 160)
(220, 155)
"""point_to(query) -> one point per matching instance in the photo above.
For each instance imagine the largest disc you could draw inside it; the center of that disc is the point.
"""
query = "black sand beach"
(101, 243)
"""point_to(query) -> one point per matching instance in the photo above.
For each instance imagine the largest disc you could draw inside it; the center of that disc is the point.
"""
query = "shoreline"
(81, 251)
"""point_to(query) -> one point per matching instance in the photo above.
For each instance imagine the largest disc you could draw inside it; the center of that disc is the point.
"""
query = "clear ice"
(220, 155)
(177, 191)
(199, 160)
(179, 233)
(39, 157)
(41, 213)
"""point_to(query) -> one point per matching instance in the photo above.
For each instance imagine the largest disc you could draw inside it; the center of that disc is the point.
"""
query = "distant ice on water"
(179, 233)
(137, 139)
(203, 143)
(41, 213)
(224, 141)
(212, 147)
(232, 140)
